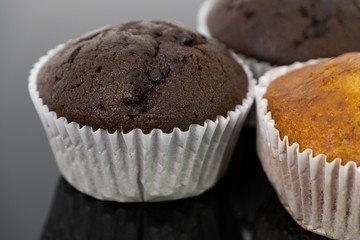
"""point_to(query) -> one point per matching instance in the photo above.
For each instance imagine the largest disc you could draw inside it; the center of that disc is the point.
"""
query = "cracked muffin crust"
(142, 75)
(282, 32)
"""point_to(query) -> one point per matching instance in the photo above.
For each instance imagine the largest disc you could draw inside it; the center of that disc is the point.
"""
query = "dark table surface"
(243, 205)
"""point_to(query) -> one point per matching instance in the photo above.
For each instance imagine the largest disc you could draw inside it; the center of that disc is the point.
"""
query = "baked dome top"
(282, 32)
(318, 106)
(146, 75)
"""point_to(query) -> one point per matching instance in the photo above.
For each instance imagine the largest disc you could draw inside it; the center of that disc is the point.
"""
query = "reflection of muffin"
(76, 216)
(274, 223)
(282, 32)
(145, 111)
(308, 136)
(244, 198)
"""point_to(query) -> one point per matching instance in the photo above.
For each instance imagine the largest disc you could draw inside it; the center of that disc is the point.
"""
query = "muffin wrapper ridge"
(322, 197)
(135, 167)
(258, 68)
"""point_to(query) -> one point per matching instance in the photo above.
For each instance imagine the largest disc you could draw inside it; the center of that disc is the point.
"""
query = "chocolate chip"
(297, 43)
(101, 107)
(249, 14)
(304, 12)
(315, 30)
(156, 76)
(185, 39)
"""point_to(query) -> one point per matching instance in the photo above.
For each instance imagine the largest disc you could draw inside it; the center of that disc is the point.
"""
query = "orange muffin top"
(319, 107)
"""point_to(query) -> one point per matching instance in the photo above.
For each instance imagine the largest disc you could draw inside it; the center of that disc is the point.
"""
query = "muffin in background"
(275, 32)
(144, 111)
(307, 138)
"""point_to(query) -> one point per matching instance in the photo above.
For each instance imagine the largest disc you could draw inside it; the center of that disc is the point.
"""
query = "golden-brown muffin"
(319, 107)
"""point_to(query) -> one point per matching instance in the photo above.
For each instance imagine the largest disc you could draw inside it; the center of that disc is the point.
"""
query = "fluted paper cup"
(133, 167)
(257, 67)
(322, 197)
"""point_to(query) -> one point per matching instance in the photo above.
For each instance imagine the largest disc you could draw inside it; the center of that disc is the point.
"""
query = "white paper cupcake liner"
(257, 67)
(322, 197)
(135, 167)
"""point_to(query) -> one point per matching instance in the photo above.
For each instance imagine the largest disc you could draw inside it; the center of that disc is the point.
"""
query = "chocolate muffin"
(282, 32)
(144, 111)
(142, 75)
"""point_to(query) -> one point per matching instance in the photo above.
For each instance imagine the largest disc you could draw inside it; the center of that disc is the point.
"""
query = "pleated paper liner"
(136, 167)
(322, 197)
(258, 68)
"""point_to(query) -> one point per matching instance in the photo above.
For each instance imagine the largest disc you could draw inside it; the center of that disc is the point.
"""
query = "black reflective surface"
(243, 205)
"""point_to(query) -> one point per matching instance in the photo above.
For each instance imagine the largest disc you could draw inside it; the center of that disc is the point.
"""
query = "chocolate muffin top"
(282, 32)
(142, 75)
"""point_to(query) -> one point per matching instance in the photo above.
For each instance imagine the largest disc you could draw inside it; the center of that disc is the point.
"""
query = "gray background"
(28, 29)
